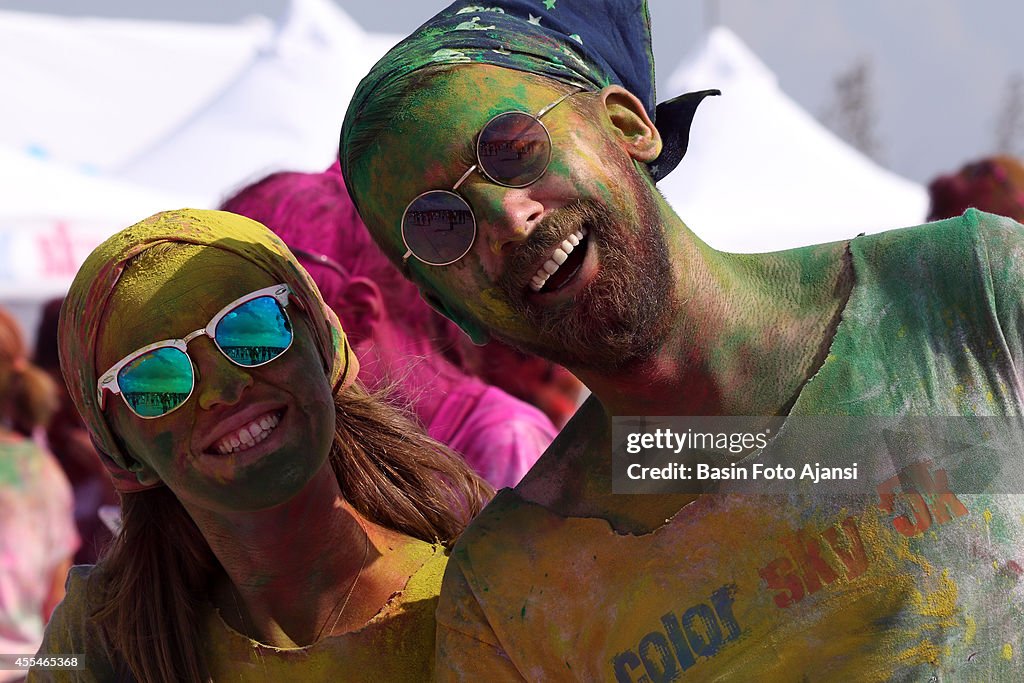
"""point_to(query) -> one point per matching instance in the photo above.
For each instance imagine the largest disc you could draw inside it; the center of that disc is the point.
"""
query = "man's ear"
(363, 307)
(477, 334)
(637, 133)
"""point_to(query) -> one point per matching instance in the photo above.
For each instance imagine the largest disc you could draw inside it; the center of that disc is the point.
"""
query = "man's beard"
(625, 314)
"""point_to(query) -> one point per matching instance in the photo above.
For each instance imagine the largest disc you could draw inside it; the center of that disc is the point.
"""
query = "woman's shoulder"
(73, 616)
(425, 582)
(83, 580)
(73, 629)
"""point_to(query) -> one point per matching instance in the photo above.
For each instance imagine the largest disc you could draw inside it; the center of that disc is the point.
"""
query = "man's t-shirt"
(772, 588)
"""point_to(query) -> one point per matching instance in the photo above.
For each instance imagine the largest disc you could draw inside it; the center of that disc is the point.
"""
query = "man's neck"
(748, 331)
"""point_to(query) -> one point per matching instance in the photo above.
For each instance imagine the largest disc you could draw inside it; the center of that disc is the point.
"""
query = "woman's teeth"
(249, 435)
(558, 257)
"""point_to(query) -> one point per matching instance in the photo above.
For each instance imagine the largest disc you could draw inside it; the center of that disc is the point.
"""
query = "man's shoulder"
(951, 259)
(948, 235)
(1002, 237)
(510, 529)
(505, 518)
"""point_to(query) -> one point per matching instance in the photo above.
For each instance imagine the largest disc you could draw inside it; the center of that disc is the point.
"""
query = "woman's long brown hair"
(156, 575)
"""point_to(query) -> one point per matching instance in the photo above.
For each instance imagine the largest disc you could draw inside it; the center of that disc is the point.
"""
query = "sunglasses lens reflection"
(439, 227)
(254, 333)
(156, 382)
(514, 149)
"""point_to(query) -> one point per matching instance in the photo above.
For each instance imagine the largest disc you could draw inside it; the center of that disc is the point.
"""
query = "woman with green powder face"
(278, 523)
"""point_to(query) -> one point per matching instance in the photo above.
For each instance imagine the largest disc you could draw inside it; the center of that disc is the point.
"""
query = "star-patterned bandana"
(591, 43)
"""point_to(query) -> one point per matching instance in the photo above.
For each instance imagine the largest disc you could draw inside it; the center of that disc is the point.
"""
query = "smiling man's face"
(593, 210)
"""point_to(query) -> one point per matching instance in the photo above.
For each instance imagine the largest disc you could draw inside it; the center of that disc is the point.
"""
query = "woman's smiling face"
(170, 291)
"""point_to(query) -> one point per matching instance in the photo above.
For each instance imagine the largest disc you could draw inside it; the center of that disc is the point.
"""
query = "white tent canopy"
(284, 112)
(98, 93)
(184, 108)
(761, 174)
(52, 217)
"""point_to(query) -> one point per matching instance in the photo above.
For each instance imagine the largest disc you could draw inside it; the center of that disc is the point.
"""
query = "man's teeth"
(558, 257)
(249, 435)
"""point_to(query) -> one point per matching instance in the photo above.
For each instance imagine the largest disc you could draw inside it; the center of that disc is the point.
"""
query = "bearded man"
(505, 157)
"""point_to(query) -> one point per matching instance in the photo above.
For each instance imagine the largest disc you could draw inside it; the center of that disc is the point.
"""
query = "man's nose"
(508, 214)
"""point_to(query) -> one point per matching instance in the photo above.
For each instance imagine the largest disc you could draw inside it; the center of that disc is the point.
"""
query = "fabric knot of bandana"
(590, 43)
(86, 303)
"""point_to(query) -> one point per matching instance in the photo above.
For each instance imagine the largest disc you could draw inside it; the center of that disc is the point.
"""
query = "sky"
(938, 69)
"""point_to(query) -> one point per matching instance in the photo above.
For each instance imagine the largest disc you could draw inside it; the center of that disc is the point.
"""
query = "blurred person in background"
(399, 340)
(68, 439)
(994, 184)
(37, 530)
(530, 378)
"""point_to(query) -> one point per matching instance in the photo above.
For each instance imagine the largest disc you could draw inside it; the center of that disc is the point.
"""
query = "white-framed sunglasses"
(158, 378)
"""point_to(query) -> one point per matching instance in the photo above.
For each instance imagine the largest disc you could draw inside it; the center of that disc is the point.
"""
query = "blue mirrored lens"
(254, 333)
(156, 382)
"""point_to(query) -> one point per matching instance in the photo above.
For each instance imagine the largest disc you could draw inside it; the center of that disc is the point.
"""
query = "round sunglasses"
(513, 149)
(158, 378)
